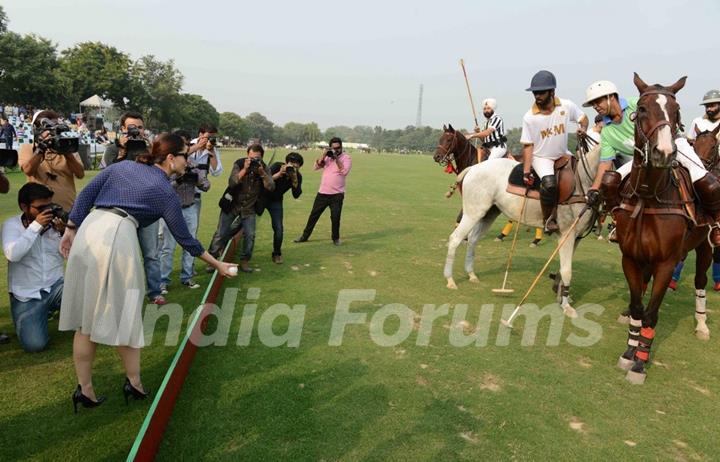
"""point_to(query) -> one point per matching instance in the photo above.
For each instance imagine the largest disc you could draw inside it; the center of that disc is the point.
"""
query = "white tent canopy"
(96, 101)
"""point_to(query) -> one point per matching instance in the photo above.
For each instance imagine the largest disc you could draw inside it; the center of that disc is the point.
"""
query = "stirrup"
(713, 226)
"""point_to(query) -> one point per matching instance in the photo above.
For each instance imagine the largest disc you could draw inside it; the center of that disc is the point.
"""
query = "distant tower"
(418, 119)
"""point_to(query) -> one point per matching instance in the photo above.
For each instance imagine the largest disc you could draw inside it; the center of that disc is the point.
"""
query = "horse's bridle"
(645, 151)
(446, 157)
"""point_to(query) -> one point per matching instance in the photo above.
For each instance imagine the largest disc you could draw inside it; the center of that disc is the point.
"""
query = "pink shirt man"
(333, 178)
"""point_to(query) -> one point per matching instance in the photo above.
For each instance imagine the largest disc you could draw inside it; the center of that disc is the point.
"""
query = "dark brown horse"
(652, 218)
(454, 151)
(706, 147)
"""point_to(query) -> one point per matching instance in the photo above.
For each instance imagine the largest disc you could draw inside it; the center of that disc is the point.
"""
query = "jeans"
(322, 201)
(31, 317)
(275, 209)
(148, 237)
(168, 248)
(228, 225)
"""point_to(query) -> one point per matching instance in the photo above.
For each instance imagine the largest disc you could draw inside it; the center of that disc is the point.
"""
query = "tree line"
(33, 72)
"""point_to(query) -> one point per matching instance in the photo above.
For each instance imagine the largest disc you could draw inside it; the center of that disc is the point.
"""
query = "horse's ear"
(450, 128)
(641, 86)
(677, 86)
(444, 128)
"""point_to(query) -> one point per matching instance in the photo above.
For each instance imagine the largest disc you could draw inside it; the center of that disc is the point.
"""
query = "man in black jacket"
(286, 177)
(247, 180)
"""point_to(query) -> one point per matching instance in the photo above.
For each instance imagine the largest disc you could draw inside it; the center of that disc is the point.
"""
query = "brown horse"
(454, 147)
(706, 147)
(651, 219)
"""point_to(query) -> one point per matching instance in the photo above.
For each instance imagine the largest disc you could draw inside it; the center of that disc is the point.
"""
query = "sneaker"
(337, 242)
(672, 285)
(245, 266)
(301, 239)
(277, 259)
(159, 300)
(163, 289)
(534, 243)
(500, 237)
(190, 284)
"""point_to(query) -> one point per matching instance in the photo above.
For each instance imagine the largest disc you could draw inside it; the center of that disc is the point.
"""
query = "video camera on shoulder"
(57, 137)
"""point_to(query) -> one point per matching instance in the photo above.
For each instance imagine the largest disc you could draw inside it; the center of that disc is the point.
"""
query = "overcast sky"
(362, 62)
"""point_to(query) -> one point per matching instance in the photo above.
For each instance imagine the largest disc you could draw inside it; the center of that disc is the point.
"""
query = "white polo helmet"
(597, 90)
(713, 96)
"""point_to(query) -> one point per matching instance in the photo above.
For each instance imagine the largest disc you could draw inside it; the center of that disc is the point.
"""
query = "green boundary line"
(158, 396)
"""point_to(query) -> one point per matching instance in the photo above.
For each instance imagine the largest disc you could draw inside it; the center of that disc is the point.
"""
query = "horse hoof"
(624, 363)
(636, 378)
(451, 284)
(702, 334)
(623, 319)
(473, 278)
(570, 311)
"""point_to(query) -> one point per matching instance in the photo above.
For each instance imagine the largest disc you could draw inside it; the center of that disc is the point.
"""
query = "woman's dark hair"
(33, 191)
(294, 157)
(256, 148)
(164, 144)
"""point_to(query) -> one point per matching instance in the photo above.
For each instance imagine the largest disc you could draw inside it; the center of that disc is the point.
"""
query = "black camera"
(255, 163)
(289, 169)
(332, 154)
(57, 211)
(57, 137)
(189, 177)
(133, 132)
(212, 140)
(8, 158)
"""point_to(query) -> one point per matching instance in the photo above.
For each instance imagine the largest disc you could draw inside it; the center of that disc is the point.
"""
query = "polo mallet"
(467, 84)
(509, 321)
(503, 290)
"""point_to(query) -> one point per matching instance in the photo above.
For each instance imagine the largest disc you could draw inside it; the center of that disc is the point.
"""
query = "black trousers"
(322, 201)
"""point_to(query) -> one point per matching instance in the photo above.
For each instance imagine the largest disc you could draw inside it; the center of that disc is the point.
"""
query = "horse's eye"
(633, 116)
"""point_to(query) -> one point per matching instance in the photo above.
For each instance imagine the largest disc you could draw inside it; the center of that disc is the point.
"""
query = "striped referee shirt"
(496, 122)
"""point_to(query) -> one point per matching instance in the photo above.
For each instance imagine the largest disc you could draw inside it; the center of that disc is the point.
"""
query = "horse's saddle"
(638, 199)
(565, 173)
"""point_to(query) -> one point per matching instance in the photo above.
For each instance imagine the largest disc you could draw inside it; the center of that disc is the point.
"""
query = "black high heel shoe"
(129, 390)
(78, 397)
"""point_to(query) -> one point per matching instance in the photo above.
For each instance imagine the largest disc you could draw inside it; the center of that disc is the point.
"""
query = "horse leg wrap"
(701, 314)
(633, 340)
(647, 334)
(565, 295)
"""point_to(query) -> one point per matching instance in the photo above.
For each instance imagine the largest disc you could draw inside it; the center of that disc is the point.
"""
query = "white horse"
(484, 197)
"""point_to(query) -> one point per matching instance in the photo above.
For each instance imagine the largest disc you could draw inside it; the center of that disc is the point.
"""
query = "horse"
(706, 146)
(484, 197)
(453, 146)
(653, 218)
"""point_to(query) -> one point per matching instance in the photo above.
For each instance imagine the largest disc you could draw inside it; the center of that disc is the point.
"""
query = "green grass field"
(362, 401)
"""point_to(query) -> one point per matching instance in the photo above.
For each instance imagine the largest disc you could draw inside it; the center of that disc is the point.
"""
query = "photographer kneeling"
(31, 242)
(286, 177)
(239, 204)
(53, 159)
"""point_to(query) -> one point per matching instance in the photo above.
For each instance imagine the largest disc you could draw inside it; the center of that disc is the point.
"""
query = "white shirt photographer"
(34, 260)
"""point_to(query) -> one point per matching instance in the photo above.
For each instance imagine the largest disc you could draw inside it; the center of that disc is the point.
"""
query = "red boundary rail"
(148, 440)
